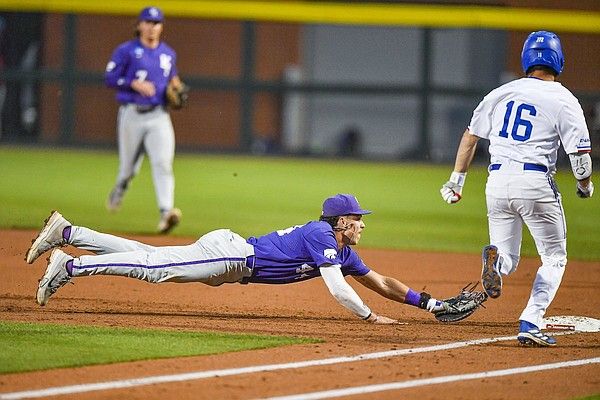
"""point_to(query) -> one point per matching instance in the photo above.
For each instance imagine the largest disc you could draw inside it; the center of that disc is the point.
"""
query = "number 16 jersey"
(526, 120)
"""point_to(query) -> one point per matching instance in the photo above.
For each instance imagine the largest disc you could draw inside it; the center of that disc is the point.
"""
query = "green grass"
(29, 346)
(255, 195)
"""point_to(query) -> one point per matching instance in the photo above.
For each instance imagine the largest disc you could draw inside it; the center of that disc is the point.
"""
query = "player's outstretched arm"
(393, 289)
(346, 296)
(386, 286)
(451, 191)
(452, 309)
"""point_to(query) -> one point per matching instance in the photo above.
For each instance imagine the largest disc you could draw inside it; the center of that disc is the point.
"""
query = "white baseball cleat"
(169, 220)
(55, 277)
(491, 280)
(50, 236)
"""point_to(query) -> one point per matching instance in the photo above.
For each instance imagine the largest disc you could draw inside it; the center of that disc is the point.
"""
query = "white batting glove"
(451, 191)
(585, 192)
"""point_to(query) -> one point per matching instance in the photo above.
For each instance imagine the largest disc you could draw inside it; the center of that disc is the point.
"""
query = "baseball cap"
(342, 204)
(151, 14)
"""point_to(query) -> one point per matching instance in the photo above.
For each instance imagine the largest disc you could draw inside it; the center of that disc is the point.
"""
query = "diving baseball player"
(525, 121)
(317, 248)
(140, 70)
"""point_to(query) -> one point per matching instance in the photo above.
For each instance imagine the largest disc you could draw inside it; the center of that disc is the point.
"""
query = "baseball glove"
(462, 305)
(177, 95)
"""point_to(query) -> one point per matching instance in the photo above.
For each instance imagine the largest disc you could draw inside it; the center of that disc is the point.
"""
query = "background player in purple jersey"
(317, 248)
(140, 70)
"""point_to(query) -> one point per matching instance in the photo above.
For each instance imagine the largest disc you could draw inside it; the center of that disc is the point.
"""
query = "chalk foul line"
(152, 380)
(328, 394)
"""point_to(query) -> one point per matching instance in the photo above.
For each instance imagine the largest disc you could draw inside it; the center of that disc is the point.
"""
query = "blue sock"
(66, 233)
(69, 267)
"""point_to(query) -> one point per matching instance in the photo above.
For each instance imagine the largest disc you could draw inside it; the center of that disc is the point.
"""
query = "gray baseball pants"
(218, 257)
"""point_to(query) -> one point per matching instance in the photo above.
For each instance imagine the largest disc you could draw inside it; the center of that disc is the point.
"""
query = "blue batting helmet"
(542, 48)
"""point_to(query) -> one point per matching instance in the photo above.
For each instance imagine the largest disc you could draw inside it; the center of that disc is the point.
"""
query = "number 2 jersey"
(295, 254)
(526, 120)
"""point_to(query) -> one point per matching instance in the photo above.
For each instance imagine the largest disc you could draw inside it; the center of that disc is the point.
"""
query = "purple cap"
(342, 204)
(151, 14)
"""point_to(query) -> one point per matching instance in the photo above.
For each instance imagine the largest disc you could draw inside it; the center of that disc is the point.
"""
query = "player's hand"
(145, 88)
(451, 192)
(382, 320)
(585, 192)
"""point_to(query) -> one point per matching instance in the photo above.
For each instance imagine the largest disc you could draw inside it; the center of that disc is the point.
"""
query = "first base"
(571, 323)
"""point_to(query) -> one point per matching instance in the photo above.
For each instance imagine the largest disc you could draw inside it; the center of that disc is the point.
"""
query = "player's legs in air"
(501, 257)
(58, 231)
(218, 257)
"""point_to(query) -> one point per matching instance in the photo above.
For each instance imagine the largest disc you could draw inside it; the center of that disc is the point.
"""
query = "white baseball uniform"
(525, 121)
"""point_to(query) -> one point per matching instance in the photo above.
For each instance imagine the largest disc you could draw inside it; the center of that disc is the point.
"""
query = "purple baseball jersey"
(295, 254)
(131, 60)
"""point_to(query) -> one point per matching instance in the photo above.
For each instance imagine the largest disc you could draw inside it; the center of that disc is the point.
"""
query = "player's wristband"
(581, 164)
(458, 177)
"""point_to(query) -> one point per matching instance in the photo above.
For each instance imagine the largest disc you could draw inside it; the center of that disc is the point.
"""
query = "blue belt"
(526, 167)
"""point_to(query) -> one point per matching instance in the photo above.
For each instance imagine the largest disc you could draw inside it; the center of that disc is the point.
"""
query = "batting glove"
(585, 192)
(451, 191)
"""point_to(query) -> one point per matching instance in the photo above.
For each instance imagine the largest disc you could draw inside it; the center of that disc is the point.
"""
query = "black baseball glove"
(462, 305)
(177, 95)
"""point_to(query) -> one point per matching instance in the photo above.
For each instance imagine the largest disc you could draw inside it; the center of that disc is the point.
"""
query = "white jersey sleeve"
(481, 122)
(572, 128)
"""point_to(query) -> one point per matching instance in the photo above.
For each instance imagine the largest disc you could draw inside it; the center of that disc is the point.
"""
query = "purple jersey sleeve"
(352, 264)
(114, 76)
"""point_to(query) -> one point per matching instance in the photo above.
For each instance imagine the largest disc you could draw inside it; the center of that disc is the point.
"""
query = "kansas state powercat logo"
(110, 66)
(153, 12)
(165, 63)
(330, 253)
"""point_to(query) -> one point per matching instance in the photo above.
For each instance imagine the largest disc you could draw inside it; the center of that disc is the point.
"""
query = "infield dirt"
(307, 309)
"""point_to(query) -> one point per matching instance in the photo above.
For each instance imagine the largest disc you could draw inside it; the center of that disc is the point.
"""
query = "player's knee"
(558, 261)
(162, 167)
